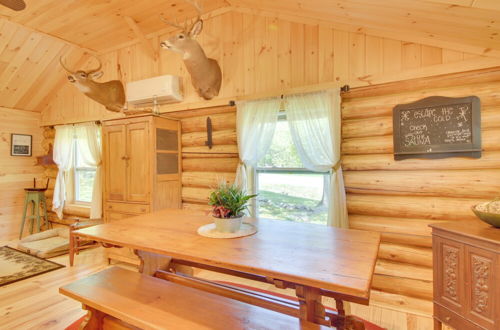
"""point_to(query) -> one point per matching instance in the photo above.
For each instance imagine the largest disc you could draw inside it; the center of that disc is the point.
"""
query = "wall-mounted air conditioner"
(165, 89)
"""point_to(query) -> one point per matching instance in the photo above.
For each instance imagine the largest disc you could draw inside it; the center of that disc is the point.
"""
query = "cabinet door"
(481, 291)
(138, 158)
(449, 281)
(114, 162)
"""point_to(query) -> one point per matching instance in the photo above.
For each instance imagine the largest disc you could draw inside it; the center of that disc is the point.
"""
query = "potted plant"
(228, 203)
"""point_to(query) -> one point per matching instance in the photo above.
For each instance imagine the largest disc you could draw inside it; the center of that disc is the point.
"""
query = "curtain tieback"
(336, 167)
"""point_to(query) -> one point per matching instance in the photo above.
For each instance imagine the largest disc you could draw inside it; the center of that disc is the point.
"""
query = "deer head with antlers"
(206, 75)
(110, 94)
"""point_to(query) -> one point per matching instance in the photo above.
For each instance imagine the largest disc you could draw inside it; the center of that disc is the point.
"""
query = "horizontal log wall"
(203, 168)
(16, 172)
(400, 199)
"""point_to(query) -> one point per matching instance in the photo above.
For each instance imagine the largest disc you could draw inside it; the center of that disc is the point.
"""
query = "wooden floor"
(36, 304)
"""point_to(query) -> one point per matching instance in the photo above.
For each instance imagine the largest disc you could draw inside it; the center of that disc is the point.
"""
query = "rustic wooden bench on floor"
(119, 298)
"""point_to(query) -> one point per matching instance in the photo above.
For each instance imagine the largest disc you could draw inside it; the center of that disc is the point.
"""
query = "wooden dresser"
(142, 169)
(466, 275)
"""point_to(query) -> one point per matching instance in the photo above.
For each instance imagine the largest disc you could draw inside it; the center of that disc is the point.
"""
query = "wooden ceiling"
(32, 40)
(465, 25)
(29, 66)
(100, 24)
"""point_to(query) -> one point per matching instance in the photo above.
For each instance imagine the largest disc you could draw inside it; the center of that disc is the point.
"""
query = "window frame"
(283, 170)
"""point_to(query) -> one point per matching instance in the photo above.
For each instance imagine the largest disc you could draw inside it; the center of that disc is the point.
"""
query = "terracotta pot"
(228, 225)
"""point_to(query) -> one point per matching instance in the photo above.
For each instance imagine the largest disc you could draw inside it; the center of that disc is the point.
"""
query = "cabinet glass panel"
(167, 163)
(166, 139)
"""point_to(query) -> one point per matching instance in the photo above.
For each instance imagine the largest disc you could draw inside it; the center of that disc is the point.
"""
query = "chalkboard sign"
(437, 127)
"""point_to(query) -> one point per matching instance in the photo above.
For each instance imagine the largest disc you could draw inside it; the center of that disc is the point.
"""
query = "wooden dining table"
(312, 259)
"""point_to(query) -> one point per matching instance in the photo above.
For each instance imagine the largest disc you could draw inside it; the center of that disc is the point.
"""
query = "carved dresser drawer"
(466, 275)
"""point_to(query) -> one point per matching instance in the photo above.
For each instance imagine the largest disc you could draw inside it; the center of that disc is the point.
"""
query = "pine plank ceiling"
(31, 41)
(465, 25)
(100, 24)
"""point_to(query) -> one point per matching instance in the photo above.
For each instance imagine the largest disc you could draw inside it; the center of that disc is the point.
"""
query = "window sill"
(77, 210)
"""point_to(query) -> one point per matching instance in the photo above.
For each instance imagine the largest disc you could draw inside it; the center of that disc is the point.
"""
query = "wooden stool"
(35, 197)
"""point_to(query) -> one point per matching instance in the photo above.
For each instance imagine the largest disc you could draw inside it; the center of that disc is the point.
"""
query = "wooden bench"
(120, 298)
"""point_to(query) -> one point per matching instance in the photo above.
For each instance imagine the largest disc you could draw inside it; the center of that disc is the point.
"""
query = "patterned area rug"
(16, 265)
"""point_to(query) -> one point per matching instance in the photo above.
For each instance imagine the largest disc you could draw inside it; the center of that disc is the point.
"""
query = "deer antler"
(176, 24)
(64, 66)
(98, 68)
(198, 8)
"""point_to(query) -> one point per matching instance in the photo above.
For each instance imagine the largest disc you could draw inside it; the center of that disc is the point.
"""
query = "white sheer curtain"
(314, 121)
(89, 148)
(63, 157)
(255, 125)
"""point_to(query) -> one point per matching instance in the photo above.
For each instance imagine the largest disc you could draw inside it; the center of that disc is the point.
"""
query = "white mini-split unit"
(161, 89)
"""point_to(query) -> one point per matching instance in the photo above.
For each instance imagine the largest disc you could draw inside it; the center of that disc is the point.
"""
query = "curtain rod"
(291, 91)
(97, 122)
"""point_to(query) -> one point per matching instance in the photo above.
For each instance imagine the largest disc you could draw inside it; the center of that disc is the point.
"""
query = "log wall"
(16, 172)
(400, 199)
(204, 168)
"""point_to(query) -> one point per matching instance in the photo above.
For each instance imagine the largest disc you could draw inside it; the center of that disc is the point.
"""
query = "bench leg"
(93, 319)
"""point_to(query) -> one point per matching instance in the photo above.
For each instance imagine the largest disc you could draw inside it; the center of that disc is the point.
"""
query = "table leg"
(311, 308)
(437, 324)
(93, 320)
(151, 262)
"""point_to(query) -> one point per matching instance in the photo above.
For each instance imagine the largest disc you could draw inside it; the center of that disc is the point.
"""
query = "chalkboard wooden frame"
(434, 151)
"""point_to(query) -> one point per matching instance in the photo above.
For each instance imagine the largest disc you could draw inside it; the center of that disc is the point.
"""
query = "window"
(82, 177)
(288, 191)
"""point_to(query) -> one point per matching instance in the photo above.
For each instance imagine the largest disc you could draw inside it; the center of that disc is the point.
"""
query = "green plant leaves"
(229, 197)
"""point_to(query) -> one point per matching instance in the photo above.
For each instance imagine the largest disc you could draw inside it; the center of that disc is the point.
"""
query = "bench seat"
(151, 303)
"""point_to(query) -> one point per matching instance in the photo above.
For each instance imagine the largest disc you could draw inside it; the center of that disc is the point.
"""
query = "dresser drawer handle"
(447, 318)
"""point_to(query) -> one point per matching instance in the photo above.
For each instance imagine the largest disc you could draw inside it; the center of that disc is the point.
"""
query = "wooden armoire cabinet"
(466, 275)
(142, 169)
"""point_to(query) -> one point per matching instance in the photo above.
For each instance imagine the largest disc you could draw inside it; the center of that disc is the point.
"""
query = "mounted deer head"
(110, 94)
(205, 72)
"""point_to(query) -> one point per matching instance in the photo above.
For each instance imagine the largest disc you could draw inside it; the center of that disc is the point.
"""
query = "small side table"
(35, 197)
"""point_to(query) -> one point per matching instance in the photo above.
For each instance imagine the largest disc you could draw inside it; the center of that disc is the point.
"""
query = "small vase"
(228, 225)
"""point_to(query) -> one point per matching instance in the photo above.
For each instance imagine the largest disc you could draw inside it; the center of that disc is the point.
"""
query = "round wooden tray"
(209, 230)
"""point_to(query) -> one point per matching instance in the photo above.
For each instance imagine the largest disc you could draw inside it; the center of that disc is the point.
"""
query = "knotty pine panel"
(259, 54)
(17, 172)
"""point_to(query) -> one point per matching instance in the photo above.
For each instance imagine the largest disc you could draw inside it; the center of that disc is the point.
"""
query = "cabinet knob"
(447, 318)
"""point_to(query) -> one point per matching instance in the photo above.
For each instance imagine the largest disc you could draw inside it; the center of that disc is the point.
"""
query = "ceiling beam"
(408, 35)
(481, 4)
(141, 37)
(66, 42)
(167, 30)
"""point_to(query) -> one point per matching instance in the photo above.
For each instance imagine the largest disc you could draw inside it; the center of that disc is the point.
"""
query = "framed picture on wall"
(20, 145)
